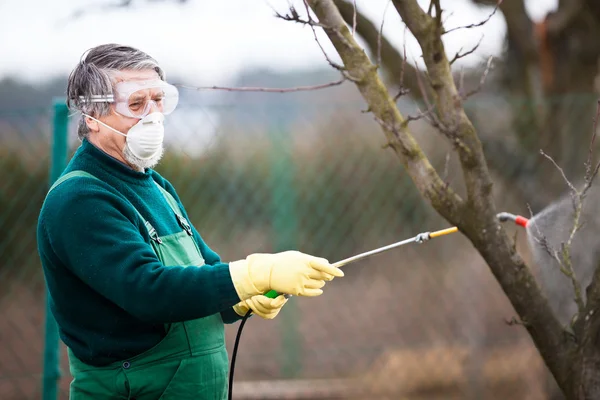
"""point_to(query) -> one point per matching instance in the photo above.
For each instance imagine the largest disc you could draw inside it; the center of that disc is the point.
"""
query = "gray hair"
(95, 73)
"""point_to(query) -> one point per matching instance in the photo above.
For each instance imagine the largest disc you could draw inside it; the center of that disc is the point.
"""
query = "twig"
(404, 90)
(379, 36)
(447, 17)
(312, 24)
(432, 118)
(354, 19)
(460, 55)
(461, 82)
(447, 168)
(438, 13)
(589, 181)
(562, 172)
(393, 130)
(488, 67)
(421, 85)
(294, 16)
(430, 8)
(478, 24)
(265, 89)
(567, 269)
(588, 163)
(420, 115)
(541, 239)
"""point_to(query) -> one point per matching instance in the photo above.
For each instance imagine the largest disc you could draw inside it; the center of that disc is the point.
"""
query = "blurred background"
(263, 172)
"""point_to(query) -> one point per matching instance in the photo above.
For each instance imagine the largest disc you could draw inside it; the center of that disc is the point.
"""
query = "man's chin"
(140, 164)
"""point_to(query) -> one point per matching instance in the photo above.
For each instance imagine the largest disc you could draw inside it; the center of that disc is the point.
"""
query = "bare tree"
(573, 357)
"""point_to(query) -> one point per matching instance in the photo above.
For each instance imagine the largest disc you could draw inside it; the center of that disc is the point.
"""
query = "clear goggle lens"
(137, 98)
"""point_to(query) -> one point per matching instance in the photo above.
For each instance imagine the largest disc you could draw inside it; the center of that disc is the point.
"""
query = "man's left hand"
(261, 305)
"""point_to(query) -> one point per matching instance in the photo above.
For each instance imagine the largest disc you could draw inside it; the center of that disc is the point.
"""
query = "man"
(140, 299)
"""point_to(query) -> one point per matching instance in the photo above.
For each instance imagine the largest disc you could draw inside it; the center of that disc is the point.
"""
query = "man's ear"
(92, 124)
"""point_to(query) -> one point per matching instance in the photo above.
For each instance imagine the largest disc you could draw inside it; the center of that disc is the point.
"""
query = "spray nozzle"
(517, 219)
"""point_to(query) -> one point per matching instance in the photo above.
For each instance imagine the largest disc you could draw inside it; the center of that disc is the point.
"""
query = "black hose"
(234, 354)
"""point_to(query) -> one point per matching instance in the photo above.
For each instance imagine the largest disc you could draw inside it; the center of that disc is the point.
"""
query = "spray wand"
(420, 238)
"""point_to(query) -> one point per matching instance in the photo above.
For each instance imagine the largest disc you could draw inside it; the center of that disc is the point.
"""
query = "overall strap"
(83, 174)
(176, 209)
(70, 175)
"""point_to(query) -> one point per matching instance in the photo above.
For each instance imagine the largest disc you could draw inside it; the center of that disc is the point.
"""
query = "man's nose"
(154, 107)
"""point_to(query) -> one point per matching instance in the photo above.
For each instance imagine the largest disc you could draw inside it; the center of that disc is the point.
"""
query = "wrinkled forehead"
(144, 83)
(134, 75)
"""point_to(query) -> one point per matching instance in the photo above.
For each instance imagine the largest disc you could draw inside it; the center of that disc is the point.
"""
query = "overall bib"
(190, 362)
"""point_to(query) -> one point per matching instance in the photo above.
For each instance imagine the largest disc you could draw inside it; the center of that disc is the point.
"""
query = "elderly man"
(140, 299)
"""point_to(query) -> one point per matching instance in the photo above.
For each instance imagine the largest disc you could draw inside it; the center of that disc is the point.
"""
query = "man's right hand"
(289, 272)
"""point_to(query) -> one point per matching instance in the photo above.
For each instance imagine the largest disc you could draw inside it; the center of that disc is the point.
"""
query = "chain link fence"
(426, 321)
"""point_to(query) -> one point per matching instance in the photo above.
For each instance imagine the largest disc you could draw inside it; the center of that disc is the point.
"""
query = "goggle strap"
(98, 98)
(109, 127)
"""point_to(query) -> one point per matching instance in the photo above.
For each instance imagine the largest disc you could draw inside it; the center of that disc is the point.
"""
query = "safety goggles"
(135, 98)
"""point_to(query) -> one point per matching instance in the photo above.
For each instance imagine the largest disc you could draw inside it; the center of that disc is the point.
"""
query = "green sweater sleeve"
(101, 239)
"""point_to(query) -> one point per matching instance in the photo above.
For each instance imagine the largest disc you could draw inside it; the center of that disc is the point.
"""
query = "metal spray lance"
(420, 238)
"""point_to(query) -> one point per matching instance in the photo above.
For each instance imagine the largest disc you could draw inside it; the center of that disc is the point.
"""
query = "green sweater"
(108, 291)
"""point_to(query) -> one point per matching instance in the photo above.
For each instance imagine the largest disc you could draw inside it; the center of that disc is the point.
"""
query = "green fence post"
(58, 162)
(285, 225)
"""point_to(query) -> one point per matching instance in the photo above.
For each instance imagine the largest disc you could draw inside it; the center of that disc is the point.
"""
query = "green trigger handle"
(273, 294)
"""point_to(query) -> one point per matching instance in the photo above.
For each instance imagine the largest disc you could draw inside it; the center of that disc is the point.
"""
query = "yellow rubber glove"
(262, 306)
(289, 272)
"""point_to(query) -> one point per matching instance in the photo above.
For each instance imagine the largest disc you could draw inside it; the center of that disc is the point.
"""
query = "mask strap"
(109, 127)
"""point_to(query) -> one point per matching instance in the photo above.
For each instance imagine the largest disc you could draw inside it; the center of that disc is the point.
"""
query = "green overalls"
(190, 362)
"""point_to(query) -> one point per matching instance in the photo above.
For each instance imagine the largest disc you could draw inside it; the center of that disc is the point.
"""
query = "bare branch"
(265, 89)
(460, 55)
(477, 24)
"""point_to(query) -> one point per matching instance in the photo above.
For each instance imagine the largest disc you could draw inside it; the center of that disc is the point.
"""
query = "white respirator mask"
(144, 139)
